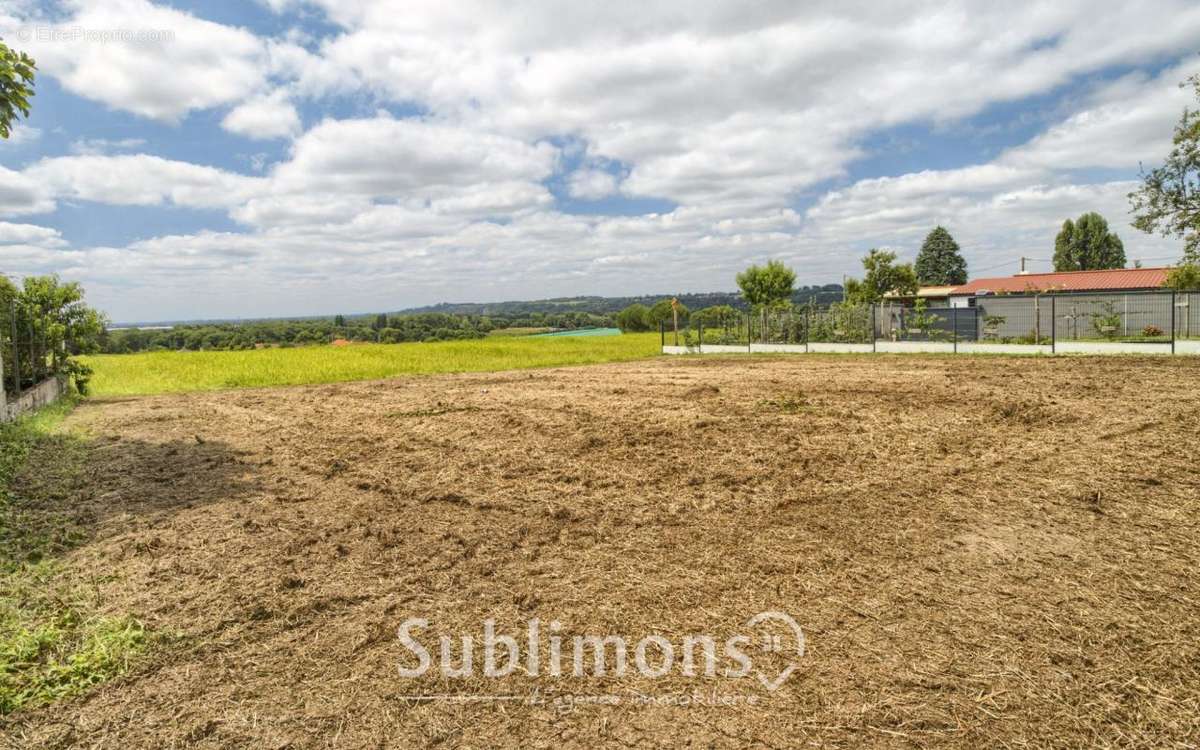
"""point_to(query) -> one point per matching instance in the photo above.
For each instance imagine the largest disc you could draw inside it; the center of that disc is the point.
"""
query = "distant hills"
(822, 295)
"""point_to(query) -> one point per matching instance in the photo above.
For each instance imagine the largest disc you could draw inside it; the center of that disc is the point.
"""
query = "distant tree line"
(381, 328)
(822, 294)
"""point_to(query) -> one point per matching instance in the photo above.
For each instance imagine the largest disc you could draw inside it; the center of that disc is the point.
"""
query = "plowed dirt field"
(982, 552)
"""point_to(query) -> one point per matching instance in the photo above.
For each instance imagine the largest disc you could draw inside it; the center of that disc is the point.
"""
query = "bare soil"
(983, 552)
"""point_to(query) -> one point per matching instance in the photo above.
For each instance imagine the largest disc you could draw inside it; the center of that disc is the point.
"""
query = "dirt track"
(982, 552)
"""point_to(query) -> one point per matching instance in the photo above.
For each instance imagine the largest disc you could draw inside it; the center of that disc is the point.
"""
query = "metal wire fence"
(1141, 318)
(910, 323)
(1153, 319)
(26, 356)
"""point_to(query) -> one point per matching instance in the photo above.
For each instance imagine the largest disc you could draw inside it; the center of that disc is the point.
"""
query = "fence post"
(807, 326)
(700, 341)
(1053, 324)
(954, 325)
(33, 358)
(46, 346)
(1172, 321)
(1037, 320)
(16, 353)
(662, 334)
(873, 337)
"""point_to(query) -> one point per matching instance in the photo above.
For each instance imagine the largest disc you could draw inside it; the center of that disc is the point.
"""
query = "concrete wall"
(778, 349)
(973, 348)
(904, 347)
(47, 392)
(827, 348)
(1107, 347)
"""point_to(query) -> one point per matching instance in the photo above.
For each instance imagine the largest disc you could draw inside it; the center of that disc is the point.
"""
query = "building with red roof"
(1111, 280)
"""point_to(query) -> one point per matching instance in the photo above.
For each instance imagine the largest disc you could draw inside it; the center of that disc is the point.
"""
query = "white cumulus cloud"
(265, 117)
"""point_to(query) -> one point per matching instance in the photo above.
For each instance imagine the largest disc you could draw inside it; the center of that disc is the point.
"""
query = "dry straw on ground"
(983, 552)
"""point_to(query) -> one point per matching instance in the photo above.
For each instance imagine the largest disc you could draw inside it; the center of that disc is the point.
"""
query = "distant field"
(582, 332)
(178, 372)
(508, 332)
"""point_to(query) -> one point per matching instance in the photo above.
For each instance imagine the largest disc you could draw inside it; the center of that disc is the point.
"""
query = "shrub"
(1107, 321)
(992, 325)
(1152, 331)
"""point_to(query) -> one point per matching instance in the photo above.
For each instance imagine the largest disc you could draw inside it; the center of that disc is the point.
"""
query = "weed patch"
(53, 641)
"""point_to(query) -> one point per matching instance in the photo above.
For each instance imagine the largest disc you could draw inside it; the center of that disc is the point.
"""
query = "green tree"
(54, 324)
(339, 321)
(882, 276)
(16, 86)
(715, 314)
(1086, 245)
(1168, 202)
(767, 286)
(1186, 275)
(940, 263)
(634, 318)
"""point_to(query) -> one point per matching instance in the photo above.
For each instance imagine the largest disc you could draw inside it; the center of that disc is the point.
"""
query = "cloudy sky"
(208, 158)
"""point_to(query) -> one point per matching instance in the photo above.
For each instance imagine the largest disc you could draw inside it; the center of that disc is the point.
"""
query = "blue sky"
(291, 157)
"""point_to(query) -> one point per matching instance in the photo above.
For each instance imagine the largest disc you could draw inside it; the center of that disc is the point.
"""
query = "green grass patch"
(177, 372)
(53, 641)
